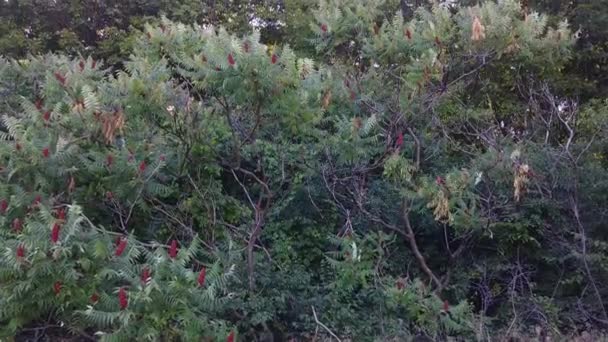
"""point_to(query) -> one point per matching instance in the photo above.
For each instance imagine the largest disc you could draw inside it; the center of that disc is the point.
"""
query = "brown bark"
(411, 238)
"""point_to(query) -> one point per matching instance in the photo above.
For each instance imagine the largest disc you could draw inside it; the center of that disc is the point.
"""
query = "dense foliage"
(436, 175)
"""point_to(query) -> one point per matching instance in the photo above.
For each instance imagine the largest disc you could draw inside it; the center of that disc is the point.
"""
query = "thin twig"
(139, 193)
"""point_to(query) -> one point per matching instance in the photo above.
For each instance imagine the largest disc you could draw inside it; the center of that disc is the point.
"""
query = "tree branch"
(314, 313)
(414, 246)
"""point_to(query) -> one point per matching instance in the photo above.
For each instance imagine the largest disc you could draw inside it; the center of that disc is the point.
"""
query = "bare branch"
(411, 237)
(314, 313)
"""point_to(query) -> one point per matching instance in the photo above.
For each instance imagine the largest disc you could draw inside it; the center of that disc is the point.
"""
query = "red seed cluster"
(20, 251)
(55, 232)
(145, 275)
(3, 206)
(60, 214)
(201, 277)
(57, 287)
(399, 142)
(142, 166)
(60, 78)
(17, 225)
(173, 249)
(123, 300)
(122, 244)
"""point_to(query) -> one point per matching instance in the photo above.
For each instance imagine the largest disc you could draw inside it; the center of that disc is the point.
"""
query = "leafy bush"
(409, 178)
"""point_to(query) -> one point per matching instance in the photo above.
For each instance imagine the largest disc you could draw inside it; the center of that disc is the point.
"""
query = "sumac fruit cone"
(123, 300)
(201, 277)
(17, 225)
(142, 166)
(60, 214)
(122, 244)
(60, 78)
(20, 251)
(408, 34)
(173, 249)
(55, 232)
(399, 141)
(57, 287)
(145, 275)
(3, 206)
